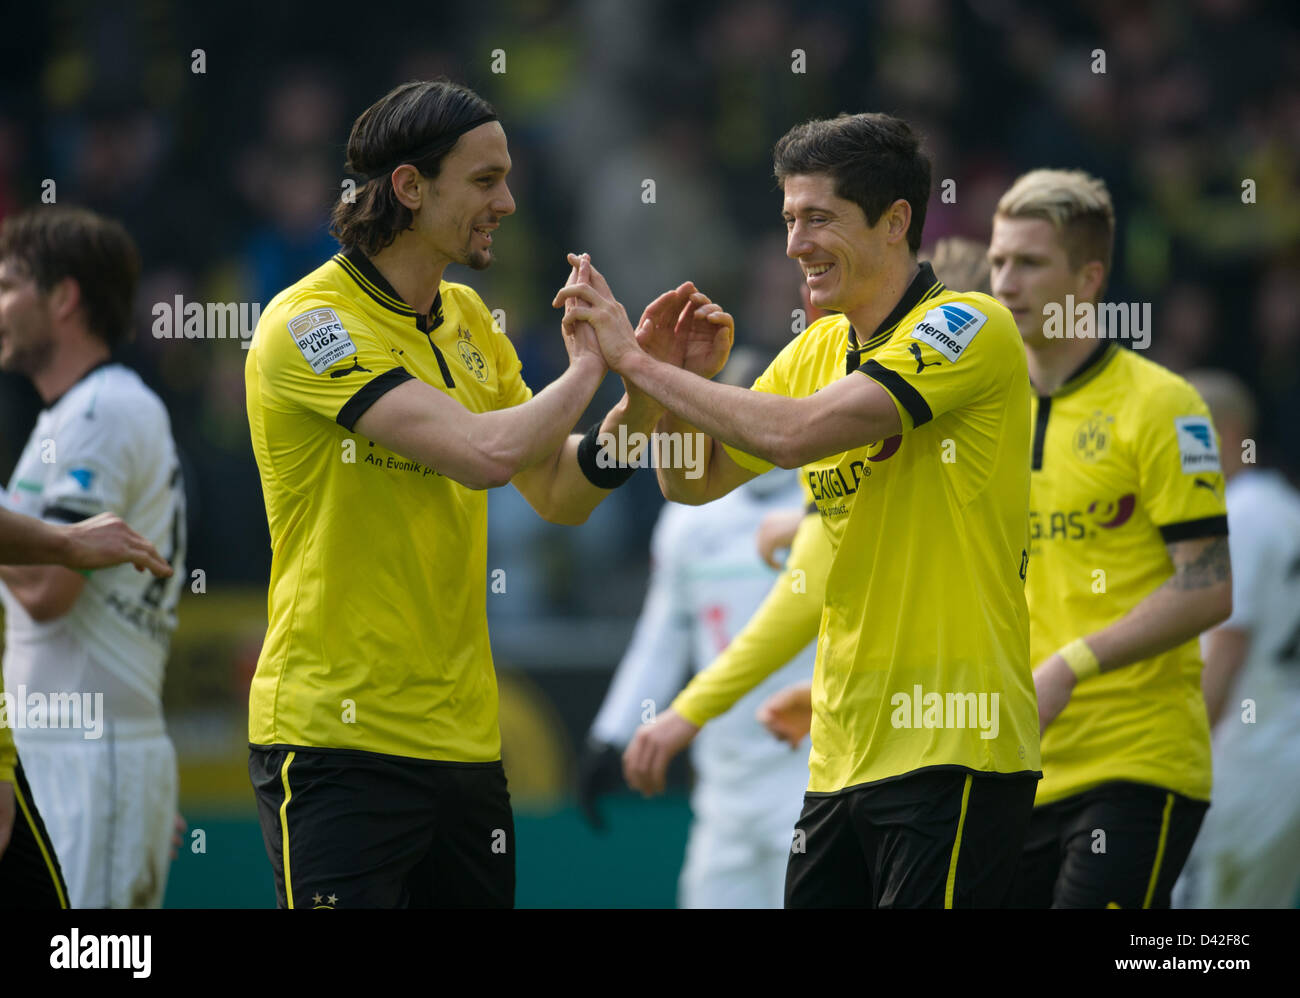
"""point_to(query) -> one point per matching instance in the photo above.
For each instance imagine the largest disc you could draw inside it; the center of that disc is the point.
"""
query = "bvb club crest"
(472, 359)
(1093, 436)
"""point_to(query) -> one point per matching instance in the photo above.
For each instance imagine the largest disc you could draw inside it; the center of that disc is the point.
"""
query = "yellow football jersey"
(1125, 461)
(377, 637)
(923, 649)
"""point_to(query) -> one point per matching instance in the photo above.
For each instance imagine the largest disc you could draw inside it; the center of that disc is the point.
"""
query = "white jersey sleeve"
(91, 466)
(105, 445)
(1264, 537)
(1251, 543)
(657, 662)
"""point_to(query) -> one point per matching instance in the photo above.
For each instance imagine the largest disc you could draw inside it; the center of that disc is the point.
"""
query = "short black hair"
(409, 119)
(53, 242)
(875, 159)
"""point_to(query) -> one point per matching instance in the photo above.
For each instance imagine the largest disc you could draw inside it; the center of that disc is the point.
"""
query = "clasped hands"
(681, 327)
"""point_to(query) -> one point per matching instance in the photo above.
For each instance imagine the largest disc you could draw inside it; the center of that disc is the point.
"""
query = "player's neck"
(413, 273)
(68, 366)
(1052, 361)
(893, 284)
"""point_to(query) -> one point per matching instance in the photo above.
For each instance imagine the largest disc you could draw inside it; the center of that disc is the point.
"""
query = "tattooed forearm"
(1200, 564)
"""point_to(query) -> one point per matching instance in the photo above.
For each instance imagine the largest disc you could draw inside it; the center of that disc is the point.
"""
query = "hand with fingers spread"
(656, 333)
(706, 332)
(684, 328)
(654, 746)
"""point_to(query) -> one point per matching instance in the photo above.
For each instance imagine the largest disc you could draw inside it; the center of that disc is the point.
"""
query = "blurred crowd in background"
(225, 177)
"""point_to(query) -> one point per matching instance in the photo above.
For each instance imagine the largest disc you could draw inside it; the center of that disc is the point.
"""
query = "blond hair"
(1077, 204)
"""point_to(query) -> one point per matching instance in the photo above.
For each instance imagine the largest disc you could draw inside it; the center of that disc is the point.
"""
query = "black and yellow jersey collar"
(367, 276)
(924, 286)
(373, 283)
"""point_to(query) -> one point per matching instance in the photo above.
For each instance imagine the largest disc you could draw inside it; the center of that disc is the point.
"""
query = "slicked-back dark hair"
(408, 120)
(51, 242)
(875, 159)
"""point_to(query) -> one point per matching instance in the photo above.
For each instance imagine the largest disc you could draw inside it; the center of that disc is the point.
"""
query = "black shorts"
(938, 838)
(1117, 845)
(349, 829)
(30, 876)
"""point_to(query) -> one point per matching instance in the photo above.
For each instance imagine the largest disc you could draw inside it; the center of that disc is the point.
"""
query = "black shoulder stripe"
(370, 393)
(897, 386)
(1190, 530)
(61, 514)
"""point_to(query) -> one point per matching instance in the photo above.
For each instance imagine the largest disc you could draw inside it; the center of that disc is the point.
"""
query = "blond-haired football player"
(1128, 563)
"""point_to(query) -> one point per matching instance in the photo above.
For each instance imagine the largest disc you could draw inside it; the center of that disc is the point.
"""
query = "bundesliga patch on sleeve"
(1196, 446)
(320, 335)
(950, 328)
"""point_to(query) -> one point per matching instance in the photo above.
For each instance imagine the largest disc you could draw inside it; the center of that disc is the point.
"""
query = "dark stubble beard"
(477, 259)
(28, 360)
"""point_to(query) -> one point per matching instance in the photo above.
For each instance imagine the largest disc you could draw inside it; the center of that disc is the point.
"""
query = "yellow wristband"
(1079, 657)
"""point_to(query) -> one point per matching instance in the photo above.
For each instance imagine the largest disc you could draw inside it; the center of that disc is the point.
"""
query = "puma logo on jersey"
(356, 366)
(921, 365)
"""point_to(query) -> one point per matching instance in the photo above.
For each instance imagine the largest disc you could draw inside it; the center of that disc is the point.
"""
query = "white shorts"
(109, 805)
(737, 851)
(1248, 852)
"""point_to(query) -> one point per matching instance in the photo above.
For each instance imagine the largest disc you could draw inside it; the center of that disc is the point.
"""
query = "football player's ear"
(406, 186)
(1089, 280)
(899, 218)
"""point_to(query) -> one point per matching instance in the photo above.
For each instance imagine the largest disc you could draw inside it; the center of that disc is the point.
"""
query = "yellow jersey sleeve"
(943, 362)
(513, 390)
(781, 628)
(8, 754)
(325, 360)
(775, 380)
(1177, 455)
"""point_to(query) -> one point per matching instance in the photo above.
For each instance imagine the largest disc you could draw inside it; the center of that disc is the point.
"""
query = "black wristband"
(602, 478)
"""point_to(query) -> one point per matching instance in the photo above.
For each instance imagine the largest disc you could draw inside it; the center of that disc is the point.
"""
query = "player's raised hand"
(579, 337)
(656, 333)
(607, 317)
(706, 332)
(787, 713)
(654, 746)
(104, 540)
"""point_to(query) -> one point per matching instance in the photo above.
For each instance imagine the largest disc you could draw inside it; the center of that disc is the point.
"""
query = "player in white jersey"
(706, 581)
(1248, 852)
(86, 651)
